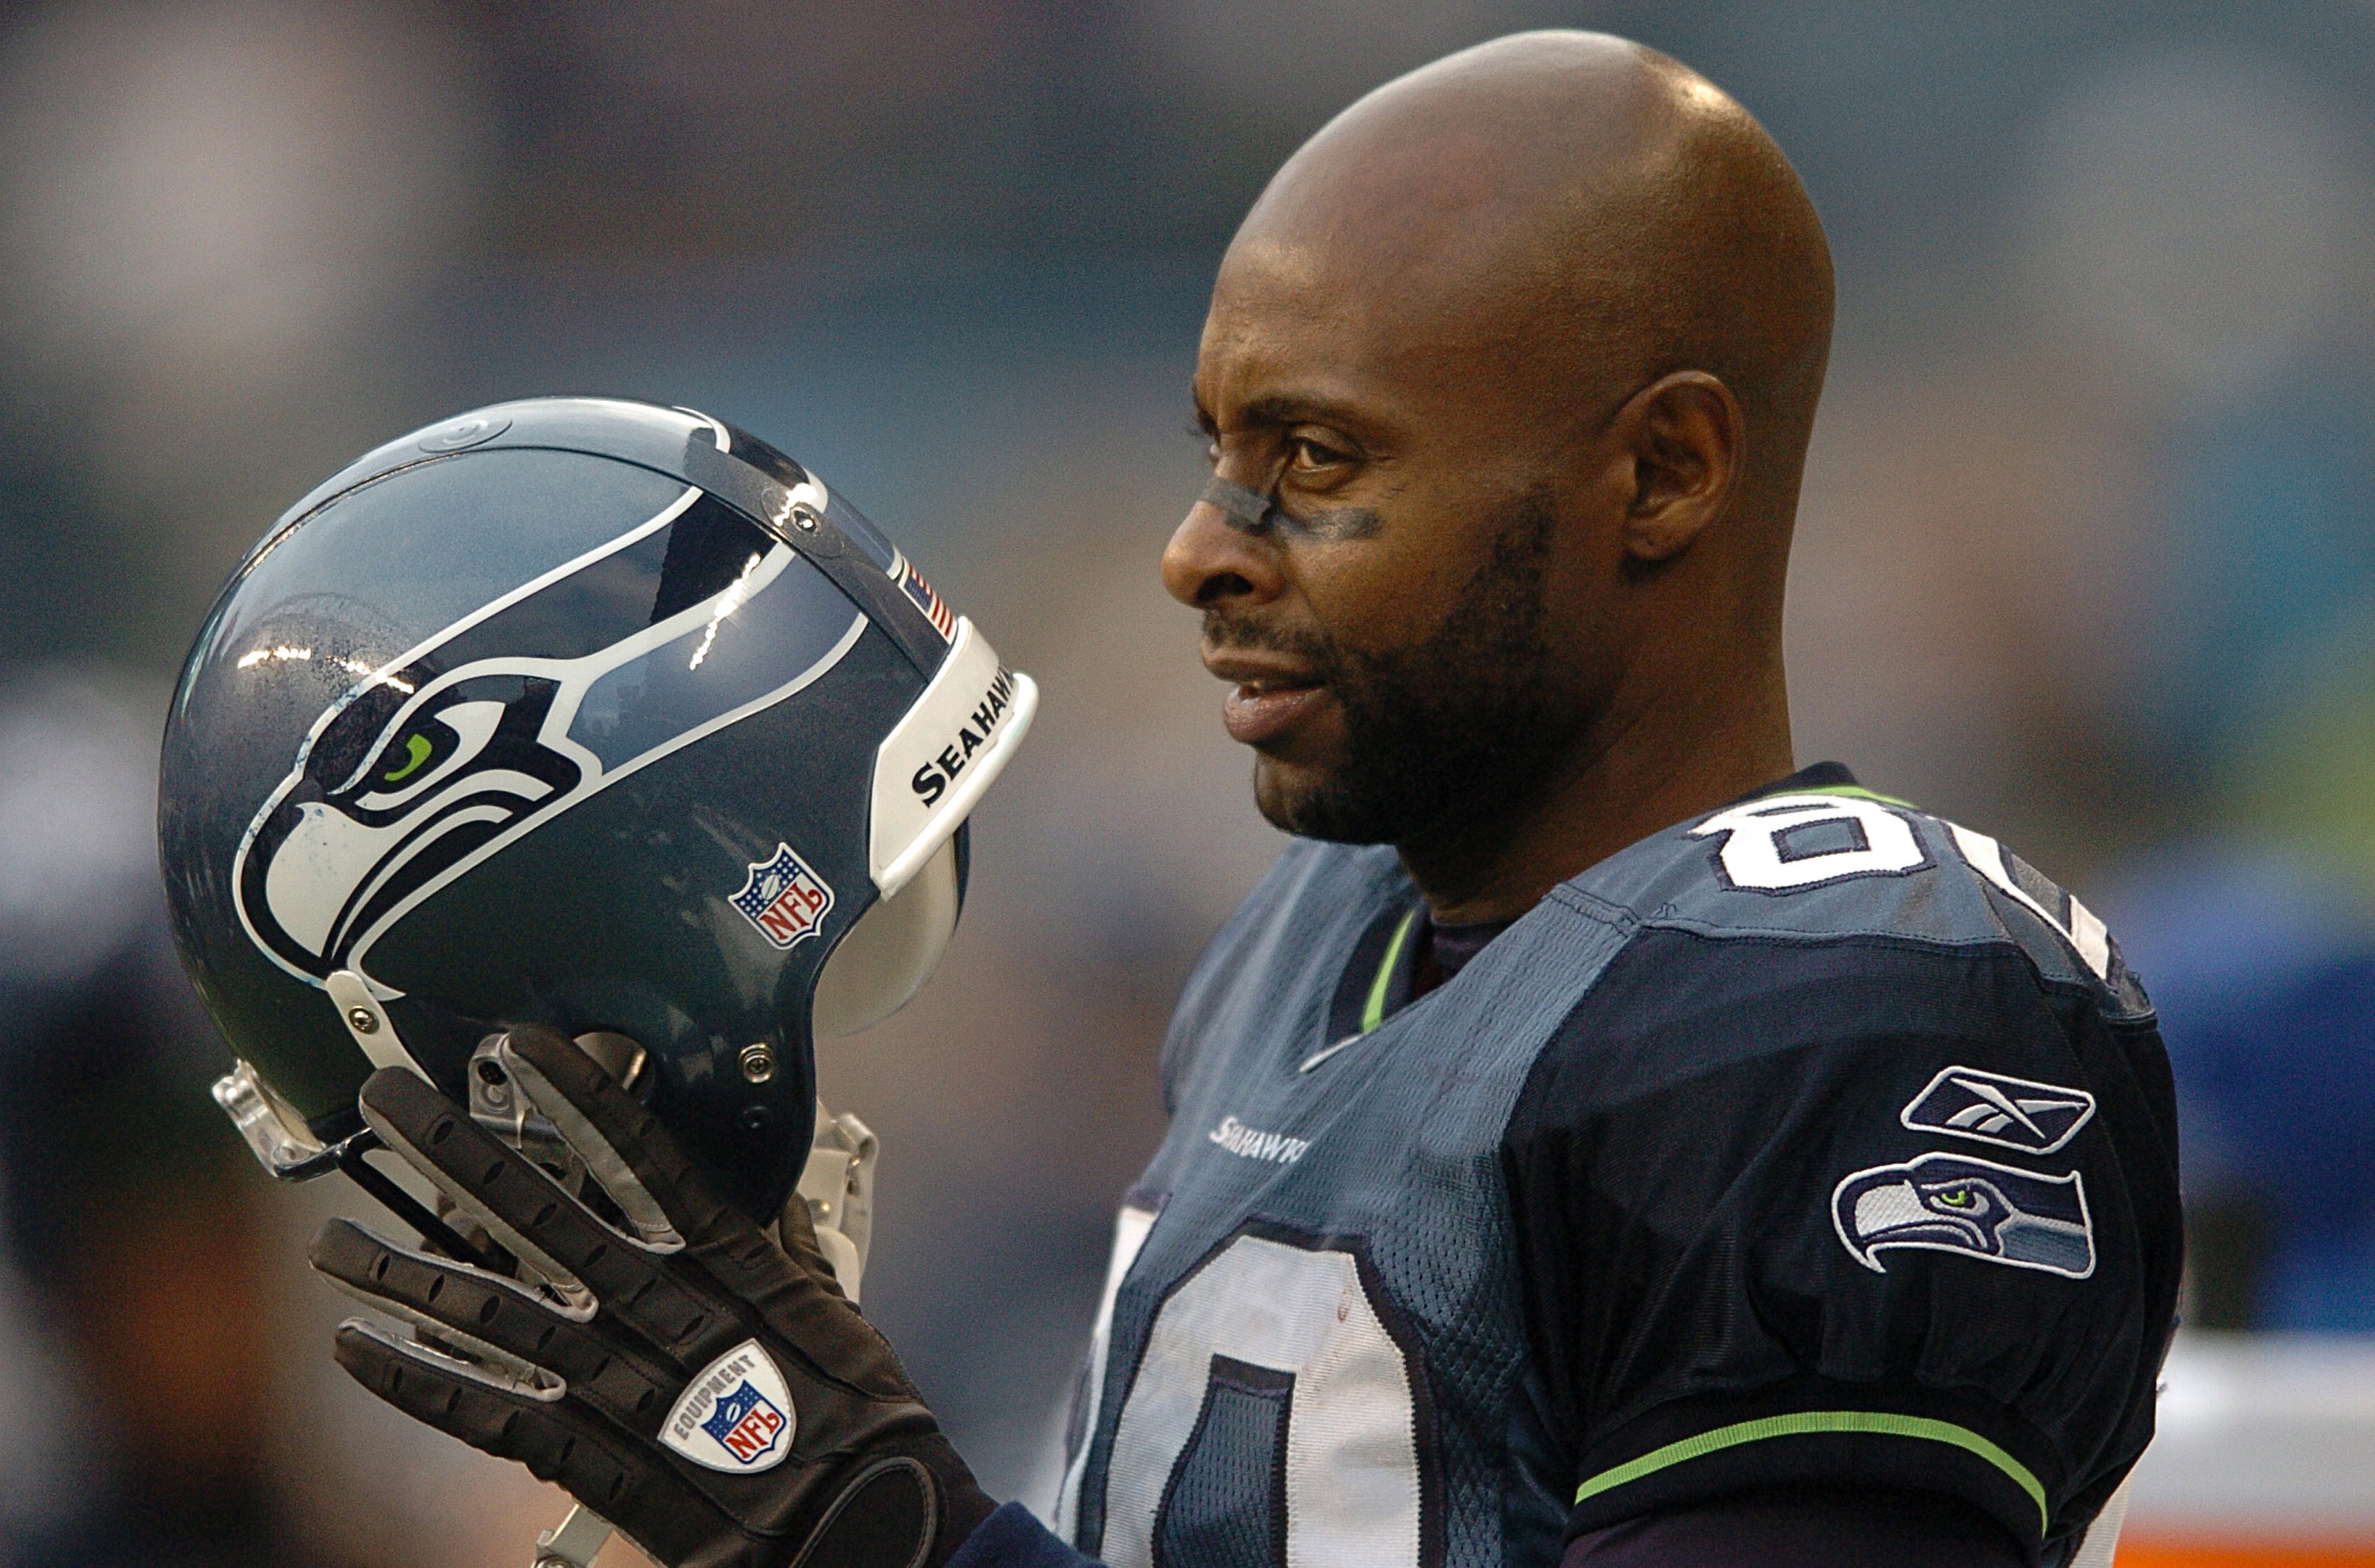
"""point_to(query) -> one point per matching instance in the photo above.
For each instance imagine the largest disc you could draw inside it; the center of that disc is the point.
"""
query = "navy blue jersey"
(1814, 1142)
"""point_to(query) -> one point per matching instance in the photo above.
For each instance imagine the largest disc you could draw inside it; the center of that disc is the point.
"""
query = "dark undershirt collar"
(1443, 951)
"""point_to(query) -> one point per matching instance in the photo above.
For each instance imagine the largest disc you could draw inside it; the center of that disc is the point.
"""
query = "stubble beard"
(1435, 730)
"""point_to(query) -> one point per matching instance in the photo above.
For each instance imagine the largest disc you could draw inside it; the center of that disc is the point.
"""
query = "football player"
(1594, 1142)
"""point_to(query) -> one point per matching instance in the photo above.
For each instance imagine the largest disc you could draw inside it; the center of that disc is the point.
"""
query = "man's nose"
(1212, 561)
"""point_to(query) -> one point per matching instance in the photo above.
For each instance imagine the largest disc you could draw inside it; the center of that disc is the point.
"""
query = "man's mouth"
(1273, 690)
(1260, 710)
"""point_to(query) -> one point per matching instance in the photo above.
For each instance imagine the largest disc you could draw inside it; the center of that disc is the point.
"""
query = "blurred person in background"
(138, 1229)
(129, 1206)
(2262, 967)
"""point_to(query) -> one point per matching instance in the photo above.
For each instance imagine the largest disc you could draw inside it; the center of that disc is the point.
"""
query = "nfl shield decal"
(784, 899)
(736, 1416)
(2036, 1118)
(1953, 1203)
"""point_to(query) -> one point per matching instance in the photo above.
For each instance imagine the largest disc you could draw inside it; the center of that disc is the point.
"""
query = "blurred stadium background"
(2087, 560)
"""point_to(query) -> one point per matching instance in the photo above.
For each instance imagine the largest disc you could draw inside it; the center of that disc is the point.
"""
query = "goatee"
(1431, 725)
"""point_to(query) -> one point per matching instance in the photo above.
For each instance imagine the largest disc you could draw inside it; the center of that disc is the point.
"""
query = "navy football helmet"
(583, 713)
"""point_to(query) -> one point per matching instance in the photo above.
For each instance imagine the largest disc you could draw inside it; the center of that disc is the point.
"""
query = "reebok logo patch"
(2013, 1113)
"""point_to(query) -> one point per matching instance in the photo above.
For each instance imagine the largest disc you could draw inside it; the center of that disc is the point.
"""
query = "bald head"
(1580, 191)
(1510, 376)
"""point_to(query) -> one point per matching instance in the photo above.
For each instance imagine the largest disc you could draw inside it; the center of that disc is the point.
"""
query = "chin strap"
(574, 1542)
(838, 1187)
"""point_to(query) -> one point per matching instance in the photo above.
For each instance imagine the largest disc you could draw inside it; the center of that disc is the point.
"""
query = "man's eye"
(1309, 454)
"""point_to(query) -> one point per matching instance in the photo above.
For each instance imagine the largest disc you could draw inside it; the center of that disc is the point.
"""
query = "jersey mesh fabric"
(1402, 1166)
(1655, 1058)
(1225, 1507)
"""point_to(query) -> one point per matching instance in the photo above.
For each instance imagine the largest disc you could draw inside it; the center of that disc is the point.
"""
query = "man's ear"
(1688, 443)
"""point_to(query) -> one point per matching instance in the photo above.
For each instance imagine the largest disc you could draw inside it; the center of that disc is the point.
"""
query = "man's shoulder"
(1839, 950)
(1827, 881)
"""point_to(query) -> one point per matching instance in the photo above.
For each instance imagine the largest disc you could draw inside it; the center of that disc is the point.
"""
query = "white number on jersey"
(1797, 840)
(2083, 930)
(1272, 1402)
(1790, 842)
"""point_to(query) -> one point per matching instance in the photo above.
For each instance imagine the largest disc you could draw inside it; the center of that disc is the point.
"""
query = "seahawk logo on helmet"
(522, 710)
(508, 720)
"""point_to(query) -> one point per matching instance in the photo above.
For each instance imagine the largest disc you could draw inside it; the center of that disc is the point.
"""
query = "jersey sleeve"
(1858, 1211)
(1868, 1526)
(1012, 1537)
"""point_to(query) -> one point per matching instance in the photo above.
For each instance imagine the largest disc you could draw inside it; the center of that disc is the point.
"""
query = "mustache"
(1222, 629)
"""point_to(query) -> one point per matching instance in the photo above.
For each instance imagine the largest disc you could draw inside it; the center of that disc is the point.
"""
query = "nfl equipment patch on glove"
(710, 1392)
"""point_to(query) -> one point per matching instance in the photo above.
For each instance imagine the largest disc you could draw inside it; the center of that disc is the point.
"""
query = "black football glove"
(709, 1394)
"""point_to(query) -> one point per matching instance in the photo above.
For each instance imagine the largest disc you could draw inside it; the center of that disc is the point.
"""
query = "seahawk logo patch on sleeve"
(2036, 1118)
(735, 1417)
(1953, 1203)
(783, 898)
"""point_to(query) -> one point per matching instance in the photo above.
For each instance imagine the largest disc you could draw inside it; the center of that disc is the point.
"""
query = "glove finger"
(604, 1162)
(534, 1217)
(800, 1245)
(556, 1440)
(628, 1152)
(494, 1317)
(620, 1140)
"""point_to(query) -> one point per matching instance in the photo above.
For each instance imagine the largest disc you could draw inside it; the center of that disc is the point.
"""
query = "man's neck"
(1612, 789)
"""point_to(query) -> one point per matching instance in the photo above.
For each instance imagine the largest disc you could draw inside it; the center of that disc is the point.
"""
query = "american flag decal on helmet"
(930, 603)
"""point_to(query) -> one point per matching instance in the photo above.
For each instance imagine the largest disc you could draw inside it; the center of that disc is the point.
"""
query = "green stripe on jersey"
(1805, 1421)
(1373, 1011)
(1859, 793)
